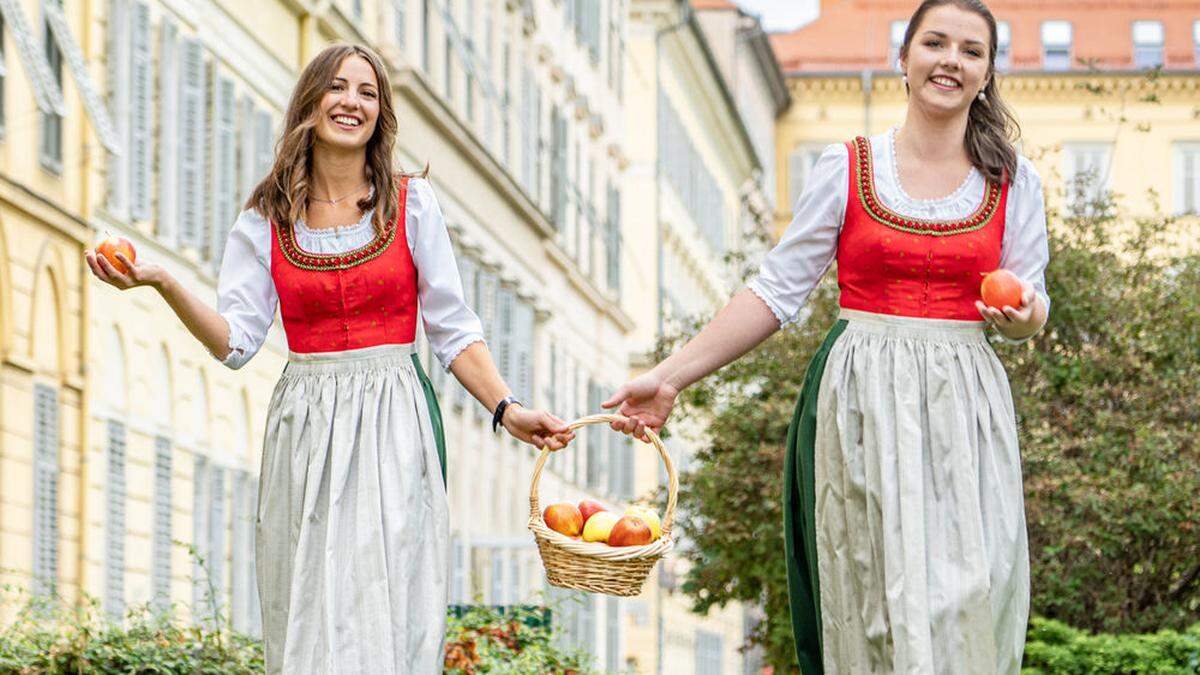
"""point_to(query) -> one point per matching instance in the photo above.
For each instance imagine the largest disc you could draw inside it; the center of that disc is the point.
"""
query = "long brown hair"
(282, 195)
(992, 130)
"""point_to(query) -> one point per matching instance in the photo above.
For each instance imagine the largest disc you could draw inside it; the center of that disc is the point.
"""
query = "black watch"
(499, 414)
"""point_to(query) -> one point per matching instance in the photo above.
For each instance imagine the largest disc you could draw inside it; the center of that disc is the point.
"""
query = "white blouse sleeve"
(246, 295)
(450, 324)
(791, 270)
(1024, 250)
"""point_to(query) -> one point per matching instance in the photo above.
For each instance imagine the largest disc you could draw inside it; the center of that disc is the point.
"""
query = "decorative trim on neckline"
(331, 261)
(864, 180)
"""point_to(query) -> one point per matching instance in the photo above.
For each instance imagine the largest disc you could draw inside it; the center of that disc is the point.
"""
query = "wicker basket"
(596, 566)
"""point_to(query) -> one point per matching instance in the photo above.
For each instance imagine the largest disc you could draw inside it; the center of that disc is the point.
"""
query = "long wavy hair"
(282, 195)
(992, 129)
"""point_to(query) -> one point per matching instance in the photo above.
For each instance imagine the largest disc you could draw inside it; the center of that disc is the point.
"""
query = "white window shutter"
(191, 128)
(114, 517)
(262, 143)
(73, 55)
(45, 487)
(161, 568)
(46, 92)
(200, 487)
(239, 552)
(169, 211)
(216, 543)
(118, 62)
(247, 159)
(224, 206)
(141, 143)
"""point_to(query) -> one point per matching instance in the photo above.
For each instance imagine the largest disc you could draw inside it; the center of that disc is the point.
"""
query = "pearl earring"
(904, 79)
(982, 97)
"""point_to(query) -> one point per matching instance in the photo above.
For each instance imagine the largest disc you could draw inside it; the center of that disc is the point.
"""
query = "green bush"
(1053, 648)
(517, 641)
(46, 637)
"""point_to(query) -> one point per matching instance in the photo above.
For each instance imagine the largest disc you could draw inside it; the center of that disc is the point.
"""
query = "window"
(161, 569)
(169, 117)
(129, 94)
(3, 75)
(595, 439)
(114, 519)
(1187, 178)
(800, 164)
(45, 489)
(200, 491)
(558, 175)
(193, 143)
(426, 57)
(1003, 45)
(1147, 44)
(459, 571)
(52, 122)
(401, 10)
(498, 594)
(612, 630)
(708, 653)
(897, 41)
(1056, 45)
(1086, 178)
(224, 204)
(613, 245)
(1196, 42)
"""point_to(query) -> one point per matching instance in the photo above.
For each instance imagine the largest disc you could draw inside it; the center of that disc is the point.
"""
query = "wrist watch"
(499, 414)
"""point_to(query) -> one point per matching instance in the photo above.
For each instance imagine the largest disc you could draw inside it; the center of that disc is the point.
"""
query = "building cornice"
(1040, 81)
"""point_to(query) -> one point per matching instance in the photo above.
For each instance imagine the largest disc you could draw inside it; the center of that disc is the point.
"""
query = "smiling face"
(948, 59)
(349, 108)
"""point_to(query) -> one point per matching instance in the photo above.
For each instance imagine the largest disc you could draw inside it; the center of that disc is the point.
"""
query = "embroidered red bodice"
(361, 298)
(892, 264)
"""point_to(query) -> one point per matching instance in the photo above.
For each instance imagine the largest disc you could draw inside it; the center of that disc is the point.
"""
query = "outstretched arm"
(740, 326)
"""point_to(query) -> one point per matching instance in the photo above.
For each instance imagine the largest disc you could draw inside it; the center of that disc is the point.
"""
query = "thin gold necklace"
(333, 202)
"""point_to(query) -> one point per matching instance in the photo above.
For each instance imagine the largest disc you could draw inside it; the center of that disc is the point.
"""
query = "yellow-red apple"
(109, 248)
(598, 526)
(630, 531)
(589, 506)
(564, 518)
(649, 516)
(1001, 288)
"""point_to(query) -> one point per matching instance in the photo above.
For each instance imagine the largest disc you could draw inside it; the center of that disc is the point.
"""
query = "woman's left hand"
(1014, 322)
(537, 427)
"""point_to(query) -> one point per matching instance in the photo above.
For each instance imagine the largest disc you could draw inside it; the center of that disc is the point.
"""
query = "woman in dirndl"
(904, 521)
(352, 524)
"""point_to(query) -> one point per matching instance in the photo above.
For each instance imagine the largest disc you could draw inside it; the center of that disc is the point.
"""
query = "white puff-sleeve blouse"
(791, 270)
(247, 299)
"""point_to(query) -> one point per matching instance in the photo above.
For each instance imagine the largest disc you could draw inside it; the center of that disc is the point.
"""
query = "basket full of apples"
(589, 548)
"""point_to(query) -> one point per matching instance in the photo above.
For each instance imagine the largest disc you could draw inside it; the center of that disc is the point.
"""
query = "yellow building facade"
(1137, 135)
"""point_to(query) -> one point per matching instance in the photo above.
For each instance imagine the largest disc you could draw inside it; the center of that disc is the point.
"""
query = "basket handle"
(535, 510)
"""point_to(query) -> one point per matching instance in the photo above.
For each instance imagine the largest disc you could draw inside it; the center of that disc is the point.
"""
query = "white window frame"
(1057, 39)
(801, 160)
(1003, 45)
(47, 436)
(161, 565)
(1185, 174)
(896, 31)
(1148, 41)
(114, 521)
(1102, 151)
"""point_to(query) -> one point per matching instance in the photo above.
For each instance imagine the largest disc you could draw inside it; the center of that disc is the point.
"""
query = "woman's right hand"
(646, 400)
(142, 274)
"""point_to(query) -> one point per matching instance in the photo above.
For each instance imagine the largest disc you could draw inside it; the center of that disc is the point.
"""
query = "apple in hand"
(630, 531)
(598, 526)
(111, 245)
(650, 518)
(588, 507)
(564, 518)
(1001, 288)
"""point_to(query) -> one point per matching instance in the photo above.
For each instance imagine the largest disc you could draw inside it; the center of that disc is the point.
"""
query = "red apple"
(109, 248)
(630, 531)
(1001, 288)
(589, 506)
(564, 518)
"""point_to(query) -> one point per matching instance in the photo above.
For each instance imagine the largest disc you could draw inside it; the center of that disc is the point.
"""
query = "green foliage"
(514, 641)
(1055, 648)
(1109, 413)
(47, 638)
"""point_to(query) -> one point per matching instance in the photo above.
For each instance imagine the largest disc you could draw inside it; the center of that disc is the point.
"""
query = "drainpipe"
(866, 78)
(684, 20)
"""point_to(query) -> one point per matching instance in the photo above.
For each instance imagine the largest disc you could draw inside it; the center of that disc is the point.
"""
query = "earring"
(982, 97)
(904, 79)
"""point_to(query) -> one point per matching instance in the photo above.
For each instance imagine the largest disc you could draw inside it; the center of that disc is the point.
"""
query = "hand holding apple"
(113, 262)
(1010, 305)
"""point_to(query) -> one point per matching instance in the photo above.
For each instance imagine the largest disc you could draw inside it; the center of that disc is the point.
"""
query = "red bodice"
(362, 298)
(892, 264)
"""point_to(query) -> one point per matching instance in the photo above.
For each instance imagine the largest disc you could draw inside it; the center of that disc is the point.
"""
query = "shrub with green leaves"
(1053, 648)
(511, 641)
